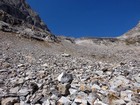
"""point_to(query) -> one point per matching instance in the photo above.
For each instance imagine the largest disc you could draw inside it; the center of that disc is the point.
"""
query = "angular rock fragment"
(64, 101)
(34, 87)
(65, 77)
(47, 102)
(64, 89)
(73, 91)
(9, 101)
(14, 90)
(65, 55)
(118, 102)
(85, 88)
(23, 91)
(81, 99)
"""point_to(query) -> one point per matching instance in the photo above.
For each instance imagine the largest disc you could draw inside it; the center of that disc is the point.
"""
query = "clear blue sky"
(92, 18)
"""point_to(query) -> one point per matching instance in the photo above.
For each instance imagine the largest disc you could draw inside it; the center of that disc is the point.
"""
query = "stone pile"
(66, 80)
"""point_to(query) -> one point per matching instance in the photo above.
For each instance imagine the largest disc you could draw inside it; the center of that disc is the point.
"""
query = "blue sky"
(88, 18)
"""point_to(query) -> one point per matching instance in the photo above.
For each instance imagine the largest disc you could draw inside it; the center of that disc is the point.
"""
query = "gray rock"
(54, 91)
(24, 92)
(53, 102)
(73, 91)
(20, 81)
(14, 90)
(126, 95)
(81, 98)
(65, 55)
(54, 97)
(64, 101)
(47, 102)
(65, 77)
(132, 103)
(136, 97)
(23, 103)
(81, 101)
(91, 98)
(37, 98)
(17, 104)
(73, 103)
(5, 27)
(118, 102)
(9, 101)
(64, 89)
(98, 102)
(34, 87)
(118, 81)
(137, 78)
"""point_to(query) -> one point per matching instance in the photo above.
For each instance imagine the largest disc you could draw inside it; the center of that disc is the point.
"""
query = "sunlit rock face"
(19, 12)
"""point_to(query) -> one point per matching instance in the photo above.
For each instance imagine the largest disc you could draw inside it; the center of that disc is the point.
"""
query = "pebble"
(65, 55)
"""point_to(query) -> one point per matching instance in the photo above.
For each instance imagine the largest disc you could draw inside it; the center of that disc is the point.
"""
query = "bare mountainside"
(132, 36)
(38, 68)
(17, 16)
(18, 11)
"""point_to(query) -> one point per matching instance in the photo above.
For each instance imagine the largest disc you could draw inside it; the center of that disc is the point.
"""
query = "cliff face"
(16, 16)
(19, 12)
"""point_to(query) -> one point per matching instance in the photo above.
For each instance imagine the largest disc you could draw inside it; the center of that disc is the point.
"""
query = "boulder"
(64, 89)
(65, 78)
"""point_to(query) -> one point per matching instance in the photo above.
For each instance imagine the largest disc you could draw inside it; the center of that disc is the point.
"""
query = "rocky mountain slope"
(65, 71)
(132, 36)
(17, 16)
(134, 32)
(20, 12)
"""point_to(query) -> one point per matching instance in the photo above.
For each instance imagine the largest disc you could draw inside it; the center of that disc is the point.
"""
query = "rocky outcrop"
(16, 16)
(17, 12)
